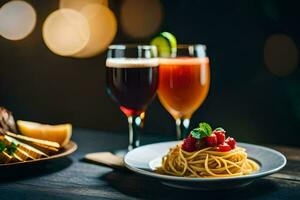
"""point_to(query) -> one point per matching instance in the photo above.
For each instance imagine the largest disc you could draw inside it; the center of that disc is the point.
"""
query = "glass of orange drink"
(184, 80)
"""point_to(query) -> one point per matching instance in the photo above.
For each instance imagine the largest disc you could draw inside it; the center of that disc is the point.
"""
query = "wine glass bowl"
(184, 80)
(132, 81)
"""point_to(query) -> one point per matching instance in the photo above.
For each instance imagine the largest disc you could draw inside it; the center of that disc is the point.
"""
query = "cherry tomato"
(189, 144)
(224, 147)
(231, 142)
(200, 144)
(211, 140)
(220, 136)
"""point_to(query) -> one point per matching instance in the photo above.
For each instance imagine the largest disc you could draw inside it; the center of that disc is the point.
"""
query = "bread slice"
(10, 153)
(44, 148)
(33, 140)
(16, 158)
(16, 150)
(5, 157)
(32, 152)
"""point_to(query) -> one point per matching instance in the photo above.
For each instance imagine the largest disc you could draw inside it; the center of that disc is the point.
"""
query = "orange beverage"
(183, 84)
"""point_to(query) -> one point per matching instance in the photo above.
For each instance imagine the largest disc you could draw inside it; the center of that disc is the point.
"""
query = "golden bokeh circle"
(103, 28)
(17, 20)
(79, 4)
(141, 18)
(66, 32)
(281, 54)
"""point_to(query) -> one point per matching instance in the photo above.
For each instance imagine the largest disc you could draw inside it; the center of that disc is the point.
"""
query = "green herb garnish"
(219, 129)
(2, 146)
(204, 130)
(12, 148)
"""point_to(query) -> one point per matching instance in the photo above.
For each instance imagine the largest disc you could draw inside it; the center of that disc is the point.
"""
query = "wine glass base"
(120, 152)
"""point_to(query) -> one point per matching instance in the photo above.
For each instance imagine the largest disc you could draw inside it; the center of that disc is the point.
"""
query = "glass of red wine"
(132, 81)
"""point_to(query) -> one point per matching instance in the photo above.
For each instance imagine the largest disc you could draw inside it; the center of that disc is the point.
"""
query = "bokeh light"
(281, 54)
(79, 4)
(141, 18)
(103, 28)
(17, 20)
(66, 32)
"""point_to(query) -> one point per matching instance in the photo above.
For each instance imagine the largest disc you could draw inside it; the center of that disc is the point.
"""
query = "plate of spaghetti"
(206, 159)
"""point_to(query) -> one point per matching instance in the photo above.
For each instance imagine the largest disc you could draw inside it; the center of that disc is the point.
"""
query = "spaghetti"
(207, 163)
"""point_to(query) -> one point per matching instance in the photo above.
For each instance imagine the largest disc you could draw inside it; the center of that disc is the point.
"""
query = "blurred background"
(49, 75)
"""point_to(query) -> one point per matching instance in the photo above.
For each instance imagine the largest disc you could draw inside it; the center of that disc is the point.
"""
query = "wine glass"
(132, 81)
(184, 79)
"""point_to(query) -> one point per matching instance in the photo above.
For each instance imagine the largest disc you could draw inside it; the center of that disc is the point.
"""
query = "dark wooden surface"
(71, 178)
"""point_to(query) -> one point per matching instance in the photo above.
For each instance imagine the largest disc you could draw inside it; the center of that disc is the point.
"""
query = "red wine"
(132, 83)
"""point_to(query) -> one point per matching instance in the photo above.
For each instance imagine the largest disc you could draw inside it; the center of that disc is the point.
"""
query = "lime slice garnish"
(164, 42)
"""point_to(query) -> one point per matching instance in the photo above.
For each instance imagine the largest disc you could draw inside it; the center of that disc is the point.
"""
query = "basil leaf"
(12, 148)
(202, 131)
(205, 128)
(219, 129)
(196, 133)
(2, 146)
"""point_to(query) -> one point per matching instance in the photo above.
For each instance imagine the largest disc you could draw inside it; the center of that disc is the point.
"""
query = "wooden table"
(71, 178)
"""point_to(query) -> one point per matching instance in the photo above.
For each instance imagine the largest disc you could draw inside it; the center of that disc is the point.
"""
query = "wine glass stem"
(182, 127)
(136, 123)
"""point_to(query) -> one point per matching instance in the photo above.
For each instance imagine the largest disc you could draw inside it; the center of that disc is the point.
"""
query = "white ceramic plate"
(143, 160)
